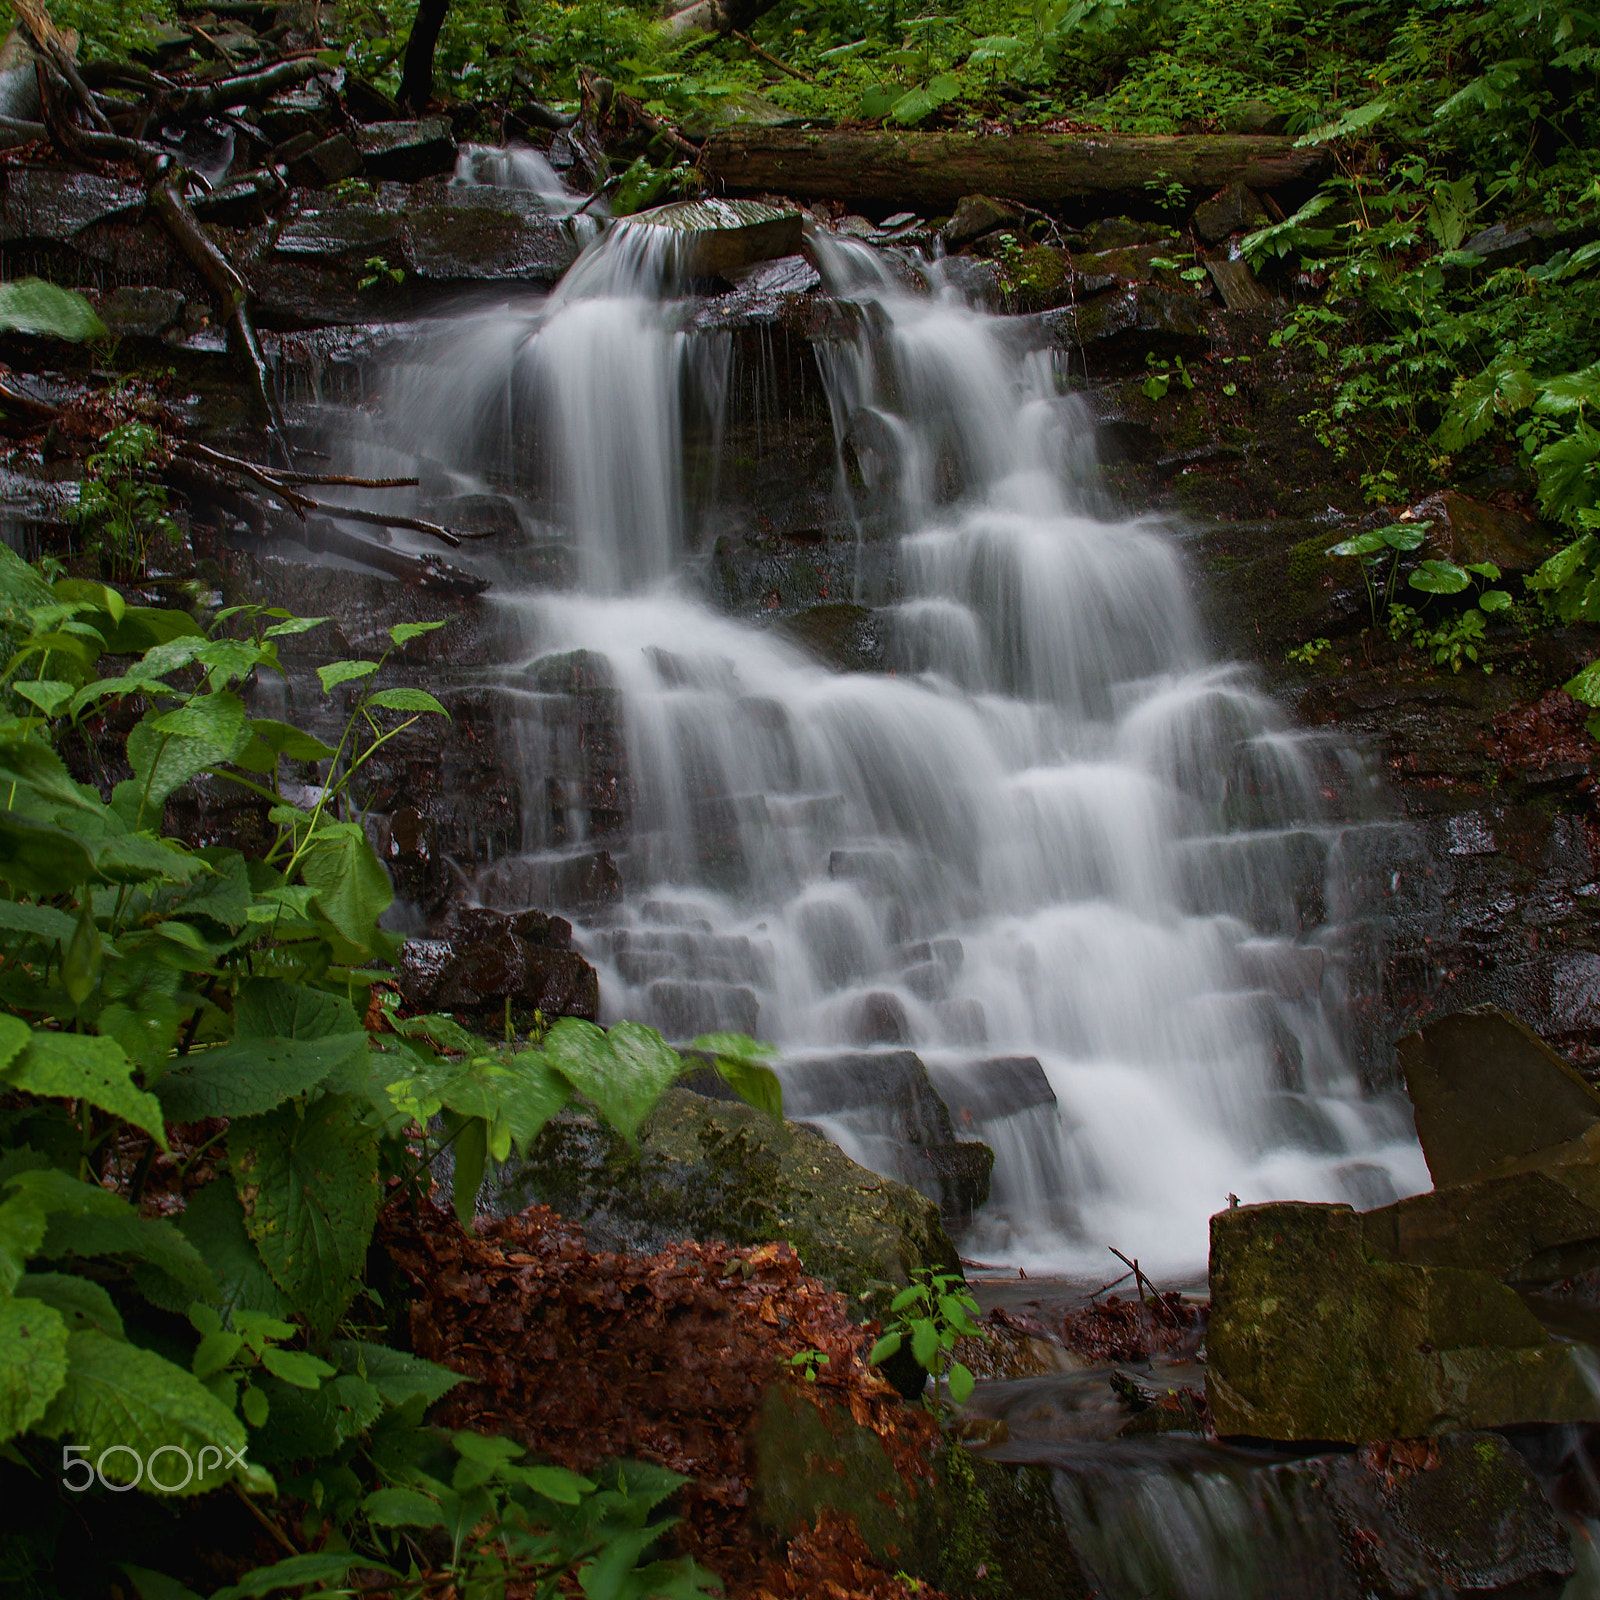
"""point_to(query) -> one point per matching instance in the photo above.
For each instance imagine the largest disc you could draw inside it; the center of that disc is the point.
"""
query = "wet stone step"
(685, 1010)
(1001, 1086)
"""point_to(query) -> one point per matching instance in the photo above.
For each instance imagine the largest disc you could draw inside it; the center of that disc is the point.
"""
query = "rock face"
(1311, 1338)
(1488, 1091)
(486, 958)
(714, 238)
(708, 1169)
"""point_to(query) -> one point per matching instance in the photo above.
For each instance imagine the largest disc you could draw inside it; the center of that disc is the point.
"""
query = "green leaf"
(338, 672)
(1352, 122)
(402, 1508)
(397, 1376)
(1493, 600)
(1439, 577)
(270, 740)
(75, 1066)
(314, 1422)
(81, 1302)
(308, 1183)
(530, 1093)
(884, 1348)
(125, 1404)
(15, 1034)
(295, 1572)
(924, 1343)
(297, 1367)
(33, 1362)
(1364, 544)
(213, 1223)
(1572, 391)
(41, 922)
(466, 1179)
(48, 694)
(81, 961)
(40, 860)
(292, 625)
(1586, 686)
(961, 1382)
(622, 1074)
(250, 1075)
(352, 888)
(156, 1585)
(406, 700)
(405, 632)
(995, 47)
(30, 305)
(1405, 536)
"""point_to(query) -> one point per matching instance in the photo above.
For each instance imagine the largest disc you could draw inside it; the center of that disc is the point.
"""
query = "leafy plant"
(807, 1363)
(1307, 654)
(1456, 639)
(933, 1312)
(30, 305)
(377, 271)
(210, 1005)
(121, 510)
(1379, 551)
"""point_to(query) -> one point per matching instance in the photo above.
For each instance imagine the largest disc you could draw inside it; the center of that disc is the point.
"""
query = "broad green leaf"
(531, 1092)
(268, 1008)
(1493, 600)
(1586, 686)
(41, 922)
(406, 700)
(338, 672)
(402, 1508)
(30, 305)
(887, 1346)
(23, 1221)
(125, 1404)
(143, 628)
(33, 1362)
(352, 888)
(295, 1573)
(141, 857)
(397, 1376)
(99, 595)
(1352, 122)
(292, 625)
(961, 1383)
(1363, 544)
(86, 1220)
(313, 1422)
(308, 1182)
(741, 1062)
(213, 1223)
(247, 1076)
(270, 740)
(82, 959)
(48, 694)
(15, 1034)
(622, 1074)
(555, 1483)
(303, 1370)
(167, 750)
(1572, 391)
(1405, 536)
(41, 860)
(1439, 577)
(81, 1301)
(995, 47)
(37, 768)
(405, 632)
(924, 1343)
(75, 1066)
(156, 1585)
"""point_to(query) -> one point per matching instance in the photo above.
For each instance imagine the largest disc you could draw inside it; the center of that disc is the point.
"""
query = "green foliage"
(30, 305)
(932, 1313)
(150, 991)
(1379, 551)
(119, 509)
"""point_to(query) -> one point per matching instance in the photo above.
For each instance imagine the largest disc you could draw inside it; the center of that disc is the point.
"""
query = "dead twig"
(350, 483)
(1139, 1279)
(35, 19)
(662, 130)
(770, 59)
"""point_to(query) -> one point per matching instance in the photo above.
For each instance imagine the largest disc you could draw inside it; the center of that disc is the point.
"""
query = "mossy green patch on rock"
(979, 1529)
(1311, 1339)
(713, 1169)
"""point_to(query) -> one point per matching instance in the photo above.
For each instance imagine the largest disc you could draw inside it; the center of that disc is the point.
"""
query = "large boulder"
(1489, 1091)
(1311, 1338)
(715, 1170)
(712, 238)
(485, 958)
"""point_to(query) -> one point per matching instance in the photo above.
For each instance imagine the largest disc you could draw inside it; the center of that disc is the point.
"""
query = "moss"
(1307, 561)
(967, 1560)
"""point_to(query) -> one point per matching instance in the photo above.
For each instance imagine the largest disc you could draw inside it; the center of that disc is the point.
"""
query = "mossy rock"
(973, 1528)
(719, 1170)
(1311, 1338)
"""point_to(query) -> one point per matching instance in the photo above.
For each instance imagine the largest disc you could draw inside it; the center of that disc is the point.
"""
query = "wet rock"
(1122, 233)
(1463, 1515)
(1511, 243)
(847, 637)
(1487, 1091)
(1466, 531)
(583, 882)
(137, 312)
(1231, 210)
(1145, 314)
(716, 237)
(1311, 1339)
(486, 958)
(406, 151)
(53, 206)
(708, 1169)
(685, 1010)
(1239, 287)
(1000, 1087)
(976, 215)
(325, 163)
(489, 239)
(366, 102)
(879, 1018)
(969, 1526)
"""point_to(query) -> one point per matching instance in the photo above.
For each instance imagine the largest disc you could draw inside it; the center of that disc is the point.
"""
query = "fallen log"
(933, 169)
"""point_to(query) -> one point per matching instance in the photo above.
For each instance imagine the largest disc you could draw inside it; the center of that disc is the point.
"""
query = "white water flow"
(1055, 830)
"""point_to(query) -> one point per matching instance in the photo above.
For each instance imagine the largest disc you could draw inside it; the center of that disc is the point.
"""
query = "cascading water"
(1055, 830)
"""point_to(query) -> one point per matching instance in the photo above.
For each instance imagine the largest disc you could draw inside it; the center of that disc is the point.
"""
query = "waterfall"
(1055, 829)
